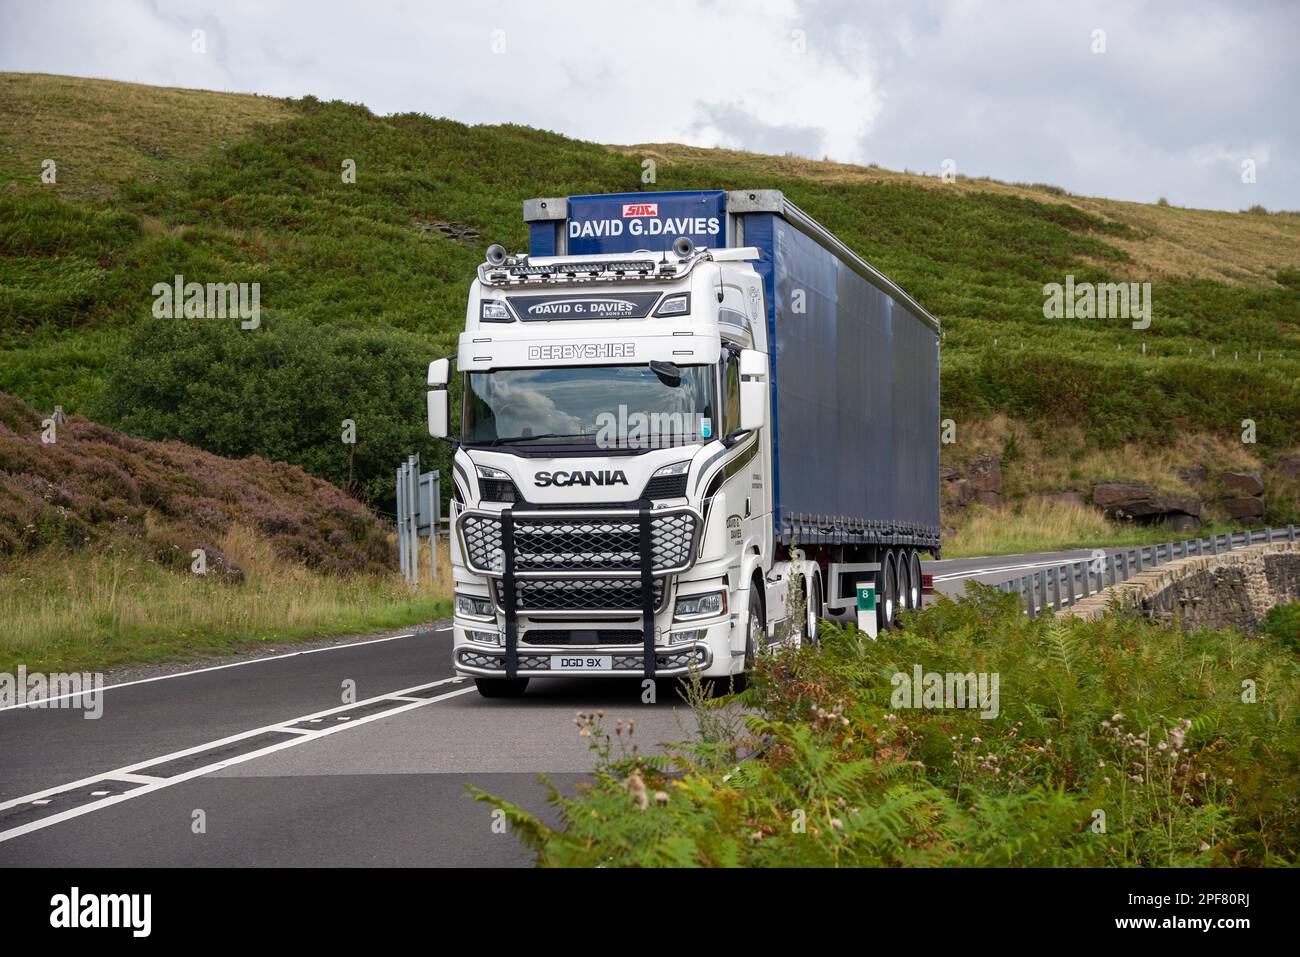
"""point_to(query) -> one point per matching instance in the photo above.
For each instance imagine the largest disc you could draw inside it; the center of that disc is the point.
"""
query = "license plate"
(582, 662)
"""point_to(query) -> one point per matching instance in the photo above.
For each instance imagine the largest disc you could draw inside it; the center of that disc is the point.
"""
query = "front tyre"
(501, 687)
(755, 637)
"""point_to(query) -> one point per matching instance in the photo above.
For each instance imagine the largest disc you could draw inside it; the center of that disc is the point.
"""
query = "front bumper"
(535, 661)
(574, 565)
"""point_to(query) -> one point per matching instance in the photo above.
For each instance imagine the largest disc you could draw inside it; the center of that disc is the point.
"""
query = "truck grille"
(605, 595)
(594, 636)
(595, 543)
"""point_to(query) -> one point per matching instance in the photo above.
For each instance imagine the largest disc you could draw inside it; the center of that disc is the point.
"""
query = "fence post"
(401, 520)
(1087, 578)
(1069, 583)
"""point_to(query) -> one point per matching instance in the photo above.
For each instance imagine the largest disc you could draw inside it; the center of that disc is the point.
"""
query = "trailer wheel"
(501, 687)
(887, 604)
(914, 579)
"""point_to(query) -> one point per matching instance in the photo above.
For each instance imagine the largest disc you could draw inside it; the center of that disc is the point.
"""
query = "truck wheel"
(755, 635)
(814, 612)
(904, 584)
(887, 602)
(501, 687)
(914, 578)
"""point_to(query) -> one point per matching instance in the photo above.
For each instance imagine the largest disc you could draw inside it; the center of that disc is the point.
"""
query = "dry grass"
(101, 133)
(93, 608)
(1038, 525)
(1173, 241)
(1032, 466)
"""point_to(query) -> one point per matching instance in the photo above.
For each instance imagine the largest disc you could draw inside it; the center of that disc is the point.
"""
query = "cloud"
(1007, 88)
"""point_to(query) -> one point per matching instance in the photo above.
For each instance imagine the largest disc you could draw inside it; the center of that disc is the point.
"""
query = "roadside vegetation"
(1039, 525)
(1114, 743)
(114, 548)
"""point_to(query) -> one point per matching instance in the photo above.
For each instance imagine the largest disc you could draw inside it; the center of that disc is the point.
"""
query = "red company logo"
(640, 209)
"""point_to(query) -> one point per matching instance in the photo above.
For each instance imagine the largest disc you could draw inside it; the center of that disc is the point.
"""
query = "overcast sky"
(1182, 95)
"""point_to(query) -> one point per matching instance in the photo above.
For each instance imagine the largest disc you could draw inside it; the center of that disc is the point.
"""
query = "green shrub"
(1117, 742)
(281, 391)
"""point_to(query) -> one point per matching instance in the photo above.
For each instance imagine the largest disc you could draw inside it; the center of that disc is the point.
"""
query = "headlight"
(678, 305)
(472, 606)
(488, 472)
(677, 468)
(494, 310)
(708, 605)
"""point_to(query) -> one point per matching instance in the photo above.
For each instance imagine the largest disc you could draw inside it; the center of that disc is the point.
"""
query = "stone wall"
(1234, 588)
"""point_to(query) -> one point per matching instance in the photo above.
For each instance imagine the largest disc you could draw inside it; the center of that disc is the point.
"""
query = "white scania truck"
(678, 410)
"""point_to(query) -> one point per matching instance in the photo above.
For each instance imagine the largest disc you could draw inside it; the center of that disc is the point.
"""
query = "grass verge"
(90, 609)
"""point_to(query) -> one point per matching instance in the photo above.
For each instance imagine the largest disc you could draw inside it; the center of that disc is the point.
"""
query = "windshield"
(607, 407)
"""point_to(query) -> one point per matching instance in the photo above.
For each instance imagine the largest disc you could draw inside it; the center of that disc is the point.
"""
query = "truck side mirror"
(439, 398)
(438, 413)
(753, 390)
(439, 371)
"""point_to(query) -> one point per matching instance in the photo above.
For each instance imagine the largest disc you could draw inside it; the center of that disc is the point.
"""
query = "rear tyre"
(501, 687)
(914, 578)
(887, 601)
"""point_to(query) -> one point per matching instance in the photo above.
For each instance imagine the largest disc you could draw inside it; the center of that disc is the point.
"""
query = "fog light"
(708, 605)
(485, 637)
(685, 637)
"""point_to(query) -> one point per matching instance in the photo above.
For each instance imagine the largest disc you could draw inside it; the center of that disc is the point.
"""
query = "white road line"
(232, 664)
(972, 573)
(152, 784)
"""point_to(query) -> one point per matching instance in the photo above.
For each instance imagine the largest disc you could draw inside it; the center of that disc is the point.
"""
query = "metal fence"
(1059, 586)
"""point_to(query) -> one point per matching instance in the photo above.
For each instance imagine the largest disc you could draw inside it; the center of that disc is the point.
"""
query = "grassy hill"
(363, 282)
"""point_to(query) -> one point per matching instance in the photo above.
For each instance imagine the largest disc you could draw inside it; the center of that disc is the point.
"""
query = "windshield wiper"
(510, 440)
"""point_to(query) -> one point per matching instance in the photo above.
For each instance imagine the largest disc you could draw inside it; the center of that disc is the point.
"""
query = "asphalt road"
(264, 764)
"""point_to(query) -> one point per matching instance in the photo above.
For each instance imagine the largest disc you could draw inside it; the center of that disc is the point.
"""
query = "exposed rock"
(949, 473)
(1245, 508)
(1290, 466)
(993, 499)
(985, 475)
(1184, 523)
(1247, 483)
(1193, 474)
(1130, 500)
(1124, 499)
(957, 492)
